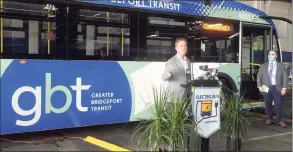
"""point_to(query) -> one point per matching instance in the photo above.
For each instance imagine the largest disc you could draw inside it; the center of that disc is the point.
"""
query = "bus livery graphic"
(105, 70)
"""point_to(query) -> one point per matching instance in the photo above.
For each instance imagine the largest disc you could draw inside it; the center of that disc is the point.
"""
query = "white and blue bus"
(74, 63)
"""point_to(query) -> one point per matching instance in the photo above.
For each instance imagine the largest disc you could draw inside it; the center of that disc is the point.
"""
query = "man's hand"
(260, 89)
(283, 92)
(170, 68)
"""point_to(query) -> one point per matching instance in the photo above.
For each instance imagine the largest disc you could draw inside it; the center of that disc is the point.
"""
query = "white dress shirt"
(184, 63)
(273, 78)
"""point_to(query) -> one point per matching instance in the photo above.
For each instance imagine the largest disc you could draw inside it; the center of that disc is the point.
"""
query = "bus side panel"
(46, 95)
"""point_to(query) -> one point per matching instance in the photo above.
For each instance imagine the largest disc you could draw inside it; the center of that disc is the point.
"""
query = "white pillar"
(290, 29)
(90, 40)
(33, 32)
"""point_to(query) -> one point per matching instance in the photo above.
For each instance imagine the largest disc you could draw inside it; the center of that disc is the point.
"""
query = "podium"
(205, 101)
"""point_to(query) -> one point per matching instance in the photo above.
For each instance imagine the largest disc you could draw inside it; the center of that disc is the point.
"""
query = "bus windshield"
(214, 41)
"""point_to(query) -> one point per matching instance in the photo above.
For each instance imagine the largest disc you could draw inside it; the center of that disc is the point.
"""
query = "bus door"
(256, 41)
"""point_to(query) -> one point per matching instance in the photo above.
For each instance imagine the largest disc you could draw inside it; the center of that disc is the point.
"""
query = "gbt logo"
(37, 92)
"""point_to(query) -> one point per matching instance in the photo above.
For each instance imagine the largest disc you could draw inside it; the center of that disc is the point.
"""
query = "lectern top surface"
(205, 83)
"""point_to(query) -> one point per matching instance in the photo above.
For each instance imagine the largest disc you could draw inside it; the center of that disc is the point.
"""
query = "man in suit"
(177, 71)
(272, 81)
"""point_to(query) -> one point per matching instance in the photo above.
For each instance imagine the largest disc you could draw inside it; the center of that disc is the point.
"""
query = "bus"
(75, 63)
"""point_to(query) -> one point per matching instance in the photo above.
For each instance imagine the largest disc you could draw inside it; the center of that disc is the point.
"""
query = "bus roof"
(226, 9)
(230, 9)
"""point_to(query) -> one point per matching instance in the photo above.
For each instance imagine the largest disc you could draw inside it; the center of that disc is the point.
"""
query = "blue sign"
(40, 95)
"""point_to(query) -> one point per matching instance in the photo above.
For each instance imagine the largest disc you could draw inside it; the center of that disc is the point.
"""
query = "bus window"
(25, 30)
(218, 51)
(253, 51)
(102, 35)
(209, 45)
(159, 46)
(276, 46)
(28, 37)
(48, 37)
(255, 44)
(17, 23)
(161, 36)
(14, 41)
(103, 16)
(112, 41)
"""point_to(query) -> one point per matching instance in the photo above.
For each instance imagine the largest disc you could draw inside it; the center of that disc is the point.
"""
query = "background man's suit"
(178, 76)
(278, 81)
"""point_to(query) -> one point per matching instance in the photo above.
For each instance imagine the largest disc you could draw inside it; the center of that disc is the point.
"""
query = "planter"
(165, 131)
(231, 144)
(235, 120)
(163, 150)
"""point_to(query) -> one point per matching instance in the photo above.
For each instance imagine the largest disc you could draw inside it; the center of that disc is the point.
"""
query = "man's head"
(181, 46)
(272, 56)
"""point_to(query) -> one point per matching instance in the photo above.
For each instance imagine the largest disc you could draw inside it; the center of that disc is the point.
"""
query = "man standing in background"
(272, 81)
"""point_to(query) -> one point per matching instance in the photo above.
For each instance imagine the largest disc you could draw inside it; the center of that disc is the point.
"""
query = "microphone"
(211, 72)
(188, 74)
(204, 67)
(192, 60)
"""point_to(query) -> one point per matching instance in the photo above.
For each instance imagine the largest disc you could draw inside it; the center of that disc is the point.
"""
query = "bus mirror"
(233, 35)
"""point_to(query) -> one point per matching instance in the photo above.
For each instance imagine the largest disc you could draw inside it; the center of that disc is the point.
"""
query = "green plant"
(169, 123)
(229, 117)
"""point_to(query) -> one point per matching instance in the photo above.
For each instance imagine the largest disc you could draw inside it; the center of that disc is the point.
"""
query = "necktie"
(271, 72)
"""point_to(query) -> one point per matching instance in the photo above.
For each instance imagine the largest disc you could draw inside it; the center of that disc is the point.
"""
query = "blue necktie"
(271, 72)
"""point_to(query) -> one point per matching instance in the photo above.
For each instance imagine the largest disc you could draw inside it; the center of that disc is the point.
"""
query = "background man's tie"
(271, 72)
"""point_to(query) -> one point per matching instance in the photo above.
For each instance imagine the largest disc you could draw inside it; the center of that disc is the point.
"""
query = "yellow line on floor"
(261, 115)
(270, 136)
(104, 144)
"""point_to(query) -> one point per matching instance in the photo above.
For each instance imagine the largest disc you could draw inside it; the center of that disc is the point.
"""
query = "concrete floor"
(262, 138)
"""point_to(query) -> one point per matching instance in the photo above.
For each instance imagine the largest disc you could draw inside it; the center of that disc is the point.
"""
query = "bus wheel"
(225, 92)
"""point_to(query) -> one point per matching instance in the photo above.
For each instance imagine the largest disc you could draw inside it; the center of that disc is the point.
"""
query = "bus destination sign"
(217, 27)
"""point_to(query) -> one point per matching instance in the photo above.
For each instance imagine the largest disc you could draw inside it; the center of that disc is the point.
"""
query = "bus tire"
(227, 87)
(225, 92)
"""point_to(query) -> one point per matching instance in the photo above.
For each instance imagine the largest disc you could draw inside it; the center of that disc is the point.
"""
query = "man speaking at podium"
(177, 71)
(272, 81)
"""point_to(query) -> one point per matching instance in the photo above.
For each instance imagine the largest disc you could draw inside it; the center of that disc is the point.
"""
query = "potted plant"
(168, 126)
(229, 121)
